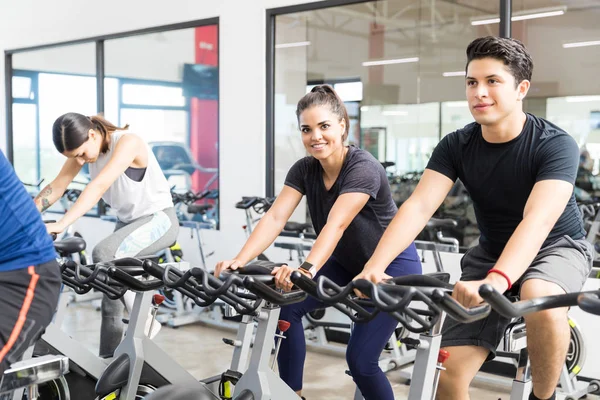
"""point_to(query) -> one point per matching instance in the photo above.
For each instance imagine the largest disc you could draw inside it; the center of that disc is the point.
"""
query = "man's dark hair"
(510, 51)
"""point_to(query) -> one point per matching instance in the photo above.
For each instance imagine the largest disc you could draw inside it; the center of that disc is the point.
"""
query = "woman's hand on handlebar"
(373, 276)
(282, 277)
(54, 227)
(227, 264)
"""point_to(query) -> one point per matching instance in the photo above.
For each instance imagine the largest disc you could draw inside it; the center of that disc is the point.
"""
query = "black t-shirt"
(500, 176)
(360, 173)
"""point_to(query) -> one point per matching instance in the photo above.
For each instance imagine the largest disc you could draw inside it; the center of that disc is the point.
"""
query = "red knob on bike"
(443, 356)
(283, 325)
(158, 299)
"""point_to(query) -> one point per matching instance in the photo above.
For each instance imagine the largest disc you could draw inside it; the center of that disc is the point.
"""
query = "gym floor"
(201, 351)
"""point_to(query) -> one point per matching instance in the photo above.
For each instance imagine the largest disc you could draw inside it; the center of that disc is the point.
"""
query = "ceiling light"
(295, 44)
(454, 73)
(581, 44)
(522, 15)
(386, 62)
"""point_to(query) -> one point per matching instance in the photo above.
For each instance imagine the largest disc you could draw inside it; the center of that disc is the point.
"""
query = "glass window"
(25, 142)
(22, 88)
(157, 125)
(60, 94)
(563, 40)
(153, 95)
(168, 94)
(48, 83)
(405, 75)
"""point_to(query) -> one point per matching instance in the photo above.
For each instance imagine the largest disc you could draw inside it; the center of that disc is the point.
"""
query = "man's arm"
(544, 207)
(410, 219)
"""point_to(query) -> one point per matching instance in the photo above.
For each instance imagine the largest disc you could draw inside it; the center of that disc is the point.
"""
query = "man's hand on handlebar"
(373, 276)
(54, 227)
(282, 276)
(467, 292)
(227, 264)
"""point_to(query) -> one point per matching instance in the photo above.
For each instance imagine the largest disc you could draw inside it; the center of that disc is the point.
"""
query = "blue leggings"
(367, 339)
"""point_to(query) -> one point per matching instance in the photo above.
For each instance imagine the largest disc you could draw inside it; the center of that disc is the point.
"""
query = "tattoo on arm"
(45, 204)
(42, 198)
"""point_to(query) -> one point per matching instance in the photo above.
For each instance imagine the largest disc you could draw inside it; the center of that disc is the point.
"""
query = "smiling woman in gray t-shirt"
(350, 204)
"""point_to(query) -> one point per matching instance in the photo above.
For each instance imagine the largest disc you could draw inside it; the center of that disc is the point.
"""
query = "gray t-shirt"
(360, 173)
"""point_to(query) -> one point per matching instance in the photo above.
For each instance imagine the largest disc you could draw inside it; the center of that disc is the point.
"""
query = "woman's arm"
(344, 210)
(128, 148)
(55, 189)
(266, 231)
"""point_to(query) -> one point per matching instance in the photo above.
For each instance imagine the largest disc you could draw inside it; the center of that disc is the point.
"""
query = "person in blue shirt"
(30, 277)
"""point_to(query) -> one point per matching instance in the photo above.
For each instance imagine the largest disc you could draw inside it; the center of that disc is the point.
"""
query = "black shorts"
(28, 299)
(566, 262)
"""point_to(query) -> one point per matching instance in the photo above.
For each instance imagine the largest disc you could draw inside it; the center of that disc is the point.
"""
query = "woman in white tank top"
(125, 173)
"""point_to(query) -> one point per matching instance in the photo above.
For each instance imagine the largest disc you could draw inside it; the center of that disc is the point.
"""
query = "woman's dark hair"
(71, 130)
(510, 51)
(324, 95)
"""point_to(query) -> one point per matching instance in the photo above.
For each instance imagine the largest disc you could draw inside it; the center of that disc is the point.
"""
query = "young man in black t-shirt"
(520, 171)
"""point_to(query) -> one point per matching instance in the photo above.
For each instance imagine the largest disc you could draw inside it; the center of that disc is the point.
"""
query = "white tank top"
(130, 199)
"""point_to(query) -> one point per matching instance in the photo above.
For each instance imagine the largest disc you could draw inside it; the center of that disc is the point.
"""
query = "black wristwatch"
(308, 267)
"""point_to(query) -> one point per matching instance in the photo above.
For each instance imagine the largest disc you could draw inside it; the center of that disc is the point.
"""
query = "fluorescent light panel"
(453, 73)
(295, 44)
(581, 44)
(521, 16)
(394, 61)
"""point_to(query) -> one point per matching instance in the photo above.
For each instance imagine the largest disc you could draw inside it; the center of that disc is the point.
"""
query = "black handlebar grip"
(589, 302)
(456, 310)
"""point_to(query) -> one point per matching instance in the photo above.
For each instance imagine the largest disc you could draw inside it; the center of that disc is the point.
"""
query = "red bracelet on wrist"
(497, 271)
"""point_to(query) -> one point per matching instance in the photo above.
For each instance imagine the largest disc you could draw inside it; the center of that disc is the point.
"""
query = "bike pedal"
(410, 343)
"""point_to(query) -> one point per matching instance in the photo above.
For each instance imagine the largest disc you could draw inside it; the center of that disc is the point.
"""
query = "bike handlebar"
(203, 288)
(443, 297)
(589, 302)
(353, 308)
(517, 309)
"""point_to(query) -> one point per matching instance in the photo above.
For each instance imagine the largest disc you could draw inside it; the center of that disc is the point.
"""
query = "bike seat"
(70, 245)
(179, 392)
(199, 208)
(435, 223)
(34, 371)
(296, 227)
(114, 376)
